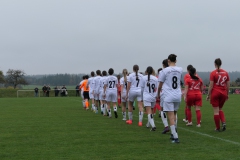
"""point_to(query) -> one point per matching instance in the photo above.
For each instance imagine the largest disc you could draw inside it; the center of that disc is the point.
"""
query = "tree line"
(16, 78)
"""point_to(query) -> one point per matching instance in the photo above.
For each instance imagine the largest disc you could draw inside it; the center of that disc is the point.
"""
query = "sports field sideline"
(58, 128)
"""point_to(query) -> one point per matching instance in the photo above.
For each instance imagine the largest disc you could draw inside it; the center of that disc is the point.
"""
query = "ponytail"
(125, 72)
(149, 71)
(192, 72)
(136, 68)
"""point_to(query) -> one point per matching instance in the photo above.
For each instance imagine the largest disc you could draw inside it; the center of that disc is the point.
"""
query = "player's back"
(122, 82)
(171, 76)
(149, 88)
(97, 83)
(220, 79)
(111, 82)
(194, 85)
(91, 83)
(135, 80)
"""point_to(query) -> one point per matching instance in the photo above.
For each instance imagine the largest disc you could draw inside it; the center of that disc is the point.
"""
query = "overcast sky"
(78, 36)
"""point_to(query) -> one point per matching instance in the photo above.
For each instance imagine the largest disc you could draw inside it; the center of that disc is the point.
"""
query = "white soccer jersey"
(124, 84)
(97, 84)
(111, 82)
(91, 84)
(101, 83)
(149, 88)
(171, 77)
(135, 84)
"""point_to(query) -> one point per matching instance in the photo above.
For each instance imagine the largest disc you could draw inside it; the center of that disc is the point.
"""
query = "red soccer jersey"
(194, 86)
(186, 77)
(220, 79)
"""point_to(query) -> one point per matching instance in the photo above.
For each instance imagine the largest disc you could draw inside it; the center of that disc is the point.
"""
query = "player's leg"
(221, 113)
(198, 115)
(123, 105)
(164, 117)
(189, 116)
(114, 102)
(148, 107)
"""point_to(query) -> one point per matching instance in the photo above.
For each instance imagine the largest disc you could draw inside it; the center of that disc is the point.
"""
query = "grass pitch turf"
(58, 128)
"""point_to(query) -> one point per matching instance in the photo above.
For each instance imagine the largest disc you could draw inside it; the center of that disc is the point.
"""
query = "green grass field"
(58, 128)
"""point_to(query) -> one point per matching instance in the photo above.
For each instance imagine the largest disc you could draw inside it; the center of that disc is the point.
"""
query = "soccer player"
(134, 91)
(157, 104)
(91, 90)
(123, 83)
(85, 88)
(110, 92)
(163, 113)
(185, 78)
(81, 91)
(193, 96)
(96, 89)
(149, 83)
(101, 91)
(218, 93)
(171, 76)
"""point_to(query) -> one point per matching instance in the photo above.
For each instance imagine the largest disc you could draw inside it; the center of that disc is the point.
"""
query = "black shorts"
(86, 95)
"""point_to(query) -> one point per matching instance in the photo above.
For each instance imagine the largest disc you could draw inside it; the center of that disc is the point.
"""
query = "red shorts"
(217, 99)
(194, 100)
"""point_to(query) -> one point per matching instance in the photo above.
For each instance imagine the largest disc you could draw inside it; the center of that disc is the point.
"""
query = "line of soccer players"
(148, 90)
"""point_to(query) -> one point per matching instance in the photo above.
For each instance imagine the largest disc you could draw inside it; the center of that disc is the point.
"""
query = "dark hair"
(192, 72)
(149, 72)
(118, 77)
(172, 57)
(136, 68)
(159, 70)
(189, 67)
(98, 72)
(110, 71)
(92, 74)
(218, 63)
(86, 77)
(165, 63)
(104, 73)
(83, 77)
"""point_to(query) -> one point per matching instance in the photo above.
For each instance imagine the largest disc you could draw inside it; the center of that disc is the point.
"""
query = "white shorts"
(147, 104)
(135, 94)
(123, 96)
(91, 96)
(101, 96)
(111, 96)
(171, 106)
(162, 100)
(82, 94)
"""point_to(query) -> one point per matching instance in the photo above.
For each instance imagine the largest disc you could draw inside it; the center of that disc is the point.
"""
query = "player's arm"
(185, 91)
(159, 89)
(128, 88)
(210, 90)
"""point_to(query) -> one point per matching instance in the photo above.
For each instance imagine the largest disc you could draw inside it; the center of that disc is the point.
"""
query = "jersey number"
(174, 82)
(111, 84)
(126, 84)
(224, 78)
(137, 82)
(151, 87)
(196, 87)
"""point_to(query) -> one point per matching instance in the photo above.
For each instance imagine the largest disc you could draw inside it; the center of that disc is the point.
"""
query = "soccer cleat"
(153, 129)
(189, 124)
(140, 124)
(129, 121)
(124, 119)
(165, 130)
(199, 125)
(116, 115)
(171, 137)
(223, 126)
(107, 114)
(217, 130)
(175, 140)
(184, 120)
(133, 108)
(101, 112)
(96, 111)
(159, 115)
(147, 125)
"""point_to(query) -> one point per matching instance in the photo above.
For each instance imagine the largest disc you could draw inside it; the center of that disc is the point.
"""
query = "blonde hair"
(125, 72)
(153, 73)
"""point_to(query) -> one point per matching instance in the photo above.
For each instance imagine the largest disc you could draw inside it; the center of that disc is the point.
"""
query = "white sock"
(115, 108)
(83, 102)
(93, 107)
(130, 115)
(150, 120)
(101, 106)
(148, 124)
(109, 113)
(140, 116)
(124, 115)
(173, 130)
(164, 119)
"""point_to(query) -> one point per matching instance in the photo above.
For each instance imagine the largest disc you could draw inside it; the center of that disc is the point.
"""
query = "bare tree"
(15, 77)
(1, 77)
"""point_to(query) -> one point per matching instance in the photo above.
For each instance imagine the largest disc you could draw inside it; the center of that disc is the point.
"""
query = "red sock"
(154, 109)
(221, 115)
(199, 116)
(119, 101)
(186, 113)
(217, 121)
(189, 115)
